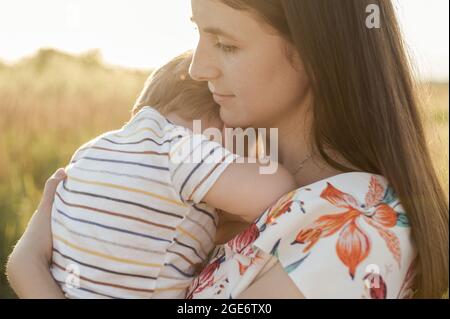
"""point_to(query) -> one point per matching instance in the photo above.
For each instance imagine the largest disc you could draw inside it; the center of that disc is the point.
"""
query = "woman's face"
(247, 66)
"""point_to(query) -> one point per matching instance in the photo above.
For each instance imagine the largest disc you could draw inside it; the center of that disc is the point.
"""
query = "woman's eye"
(226, 48)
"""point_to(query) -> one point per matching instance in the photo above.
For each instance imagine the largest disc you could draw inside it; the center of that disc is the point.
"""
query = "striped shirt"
(129, 221)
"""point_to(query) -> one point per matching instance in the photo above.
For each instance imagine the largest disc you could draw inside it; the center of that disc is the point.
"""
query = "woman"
(342, 98)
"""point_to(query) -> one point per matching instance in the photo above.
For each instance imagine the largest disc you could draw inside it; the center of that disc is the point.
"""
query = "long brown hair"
(366, 108)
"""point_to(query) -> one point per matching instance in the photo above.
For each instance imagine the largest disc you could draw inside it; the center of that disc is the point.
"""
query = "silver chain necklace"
(302, 164)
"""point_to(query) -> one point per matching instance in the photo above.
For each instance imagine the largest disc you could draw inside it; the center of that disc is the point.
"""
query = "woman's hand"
(28, 266)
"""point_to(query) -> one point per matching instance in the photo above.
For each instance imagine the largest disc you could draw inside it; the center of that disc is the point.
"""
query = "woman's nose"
(203, 66)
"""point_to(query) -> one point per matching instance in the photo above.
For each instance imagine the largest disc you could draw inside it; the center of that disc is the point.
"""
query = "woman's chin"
(230, 118)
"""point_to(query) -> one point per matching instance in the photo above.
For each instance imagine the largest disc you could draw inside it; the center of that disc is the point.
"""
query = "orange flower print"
(244, 240)
(244, 266)
(353, 245)
(281, 207)
(205, 279)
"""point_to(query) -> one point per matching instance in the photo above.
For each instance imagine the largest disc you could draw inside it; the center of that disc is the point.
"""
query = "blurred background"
(70, 70)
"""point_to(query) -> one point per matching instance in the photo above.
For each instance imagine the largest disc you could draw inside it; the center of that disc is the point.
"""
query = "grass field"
(52, 102)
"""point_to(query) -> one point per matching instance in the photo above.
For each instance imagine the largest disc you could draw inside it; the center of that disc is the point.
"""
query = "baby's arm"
(242, 190)
(204, 171)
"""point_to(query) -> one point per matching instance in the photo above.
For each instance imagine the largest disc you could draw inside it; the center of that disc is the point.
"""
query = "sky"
(147, 33)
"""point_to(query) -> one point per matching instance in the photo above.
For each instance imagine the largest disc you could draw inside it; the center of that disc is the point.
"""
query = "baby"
(138, 211)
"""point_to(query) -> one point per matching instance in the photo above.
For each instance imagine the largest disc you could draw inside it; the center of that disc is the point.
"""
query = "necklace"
(302, 164)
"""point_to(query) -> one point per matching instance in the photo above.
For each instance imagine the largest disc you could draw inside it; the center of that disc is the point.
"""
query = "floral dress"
(343, 237)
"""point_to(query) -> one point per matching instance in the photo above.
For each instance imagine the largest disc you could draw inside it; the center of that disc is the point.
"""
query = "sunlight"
(145, 34)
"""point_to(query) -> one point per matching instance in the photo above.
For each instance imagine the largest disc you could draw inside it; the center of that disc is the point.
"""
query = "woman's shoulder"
(343, 232)
(343, 237)
(357, 192)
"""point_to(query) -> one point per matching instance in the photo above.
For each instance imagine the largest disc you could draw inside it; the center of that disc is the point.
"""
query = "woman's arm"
(28, 266)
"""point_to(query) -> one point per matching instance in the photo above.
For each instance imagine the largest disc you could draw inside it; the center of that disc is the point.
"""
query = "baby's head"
(170, 89)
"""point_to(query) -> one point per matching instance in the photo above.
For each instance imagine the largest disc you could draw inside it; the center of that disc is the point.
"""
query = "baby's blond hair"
(171, 89)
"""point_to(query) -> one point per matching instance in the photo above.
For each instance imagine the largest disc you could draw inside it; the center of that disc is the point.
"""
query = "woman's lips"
(221, 98)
